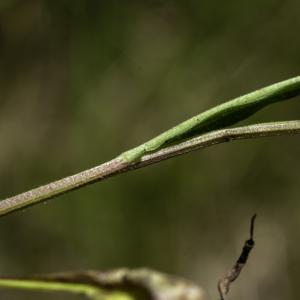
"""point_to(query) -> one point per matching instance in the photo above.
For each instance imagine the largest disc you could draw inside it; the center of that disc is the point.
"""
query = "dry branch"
(233, 274)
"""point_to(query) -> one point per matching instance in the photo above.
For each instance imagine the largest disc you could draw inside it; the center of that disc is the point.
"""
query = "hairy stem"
(119, 165)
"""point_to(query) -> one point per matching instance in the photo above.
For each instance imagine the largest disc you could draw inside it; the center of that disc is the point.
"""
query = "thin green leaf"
(219, 116)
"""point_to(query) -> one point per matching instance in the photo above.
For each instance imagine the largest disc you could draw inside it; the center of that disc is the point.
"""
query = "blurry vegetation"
(81, 81)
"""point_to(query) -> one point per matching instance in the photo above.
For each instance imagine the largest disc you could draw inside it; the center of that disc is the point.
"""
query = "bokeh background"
(82, 81)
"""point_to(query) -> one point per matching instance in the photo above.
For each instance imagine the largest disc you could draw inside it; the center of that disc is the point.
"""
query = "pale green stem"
(119, 284)
(89, 291)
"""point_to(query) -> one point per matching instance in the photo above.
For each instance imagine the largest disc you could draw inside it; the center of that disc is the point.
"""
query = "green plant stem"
(119, 165)
(89, 291)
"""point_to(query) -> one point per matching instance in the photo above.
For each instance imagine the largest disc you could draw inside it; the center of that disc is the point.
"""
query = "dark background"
(82, 81)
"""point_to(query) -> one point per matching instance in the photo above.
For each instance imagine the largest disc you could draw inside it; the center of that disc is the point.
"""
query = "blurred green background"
(82, 81)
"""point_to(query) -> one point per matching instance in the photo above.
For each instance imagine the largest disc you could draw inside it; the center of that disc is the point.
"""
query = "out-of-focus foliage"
(82, 81)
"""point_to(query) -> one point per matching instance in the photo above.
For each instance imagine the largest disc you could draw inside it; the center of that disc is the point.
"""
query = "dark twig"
(233, 274)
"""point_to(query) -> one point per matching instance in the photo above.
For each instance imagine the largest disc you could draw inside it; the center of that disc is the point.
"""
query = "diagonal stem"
(120, 165)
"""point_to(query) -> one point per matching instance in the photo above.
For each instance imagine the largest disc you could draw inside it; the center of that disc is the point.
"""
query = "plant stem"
(120, 165)
(118, 284)
(89, 291)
